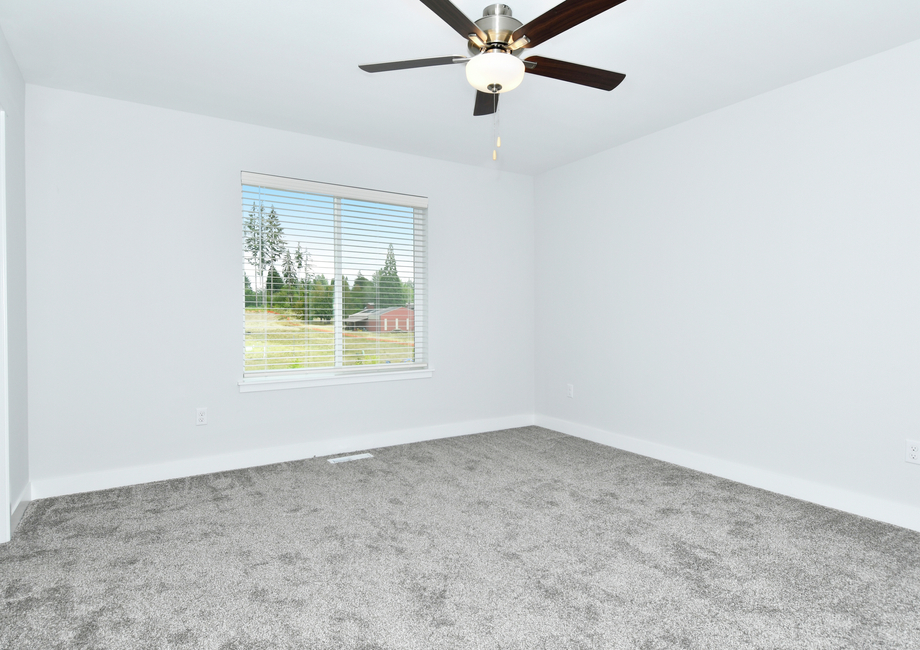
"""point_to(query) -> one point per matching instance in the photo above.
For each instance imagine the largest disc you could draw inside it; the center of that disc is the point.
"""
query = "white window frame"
(332, 376)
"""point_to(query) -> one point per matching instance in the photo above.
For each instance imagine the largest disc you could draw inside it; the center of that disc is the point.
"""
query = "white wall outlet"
(913, 452)
(201, 417)
(570, 390)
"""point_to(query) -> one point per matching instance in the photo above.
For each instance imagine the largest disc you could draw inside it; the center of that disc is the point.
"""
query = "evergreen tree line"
(295, 289)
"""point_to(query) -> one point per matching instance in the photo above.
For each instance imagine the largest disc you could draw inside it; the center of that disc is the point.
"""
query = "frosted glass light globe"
(498, 69)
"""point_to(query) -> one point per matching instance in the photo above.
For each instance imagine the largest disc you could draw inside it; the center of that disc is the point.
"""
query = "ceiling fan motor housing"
(498, 25)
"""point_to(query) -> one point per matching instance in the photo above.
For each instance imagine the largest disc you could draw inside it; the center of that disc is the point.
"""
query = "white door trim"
(5, 502)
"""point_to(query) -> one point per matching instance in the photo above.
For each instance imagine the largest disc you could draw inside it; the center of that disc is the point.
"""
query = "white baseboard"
(19, 506)
(890, 512)
(121, 477)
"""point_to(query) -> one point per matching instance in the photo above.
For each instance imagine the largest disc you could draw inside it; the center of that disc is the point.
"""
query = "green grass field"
(277, 342)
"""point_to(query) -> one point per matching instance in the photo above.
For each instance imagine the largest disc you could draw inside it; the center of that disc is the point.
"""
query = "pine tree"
(389, 286)
(362, 292)
(409, 292)
(274, 283)
(253, 241)
(322, 296)
(274, 247)
(303, 263)
(389, 266)
(352, 297)
(263, 242)
(249, 296)
(287, 269)
(274, 237)
(304, 269)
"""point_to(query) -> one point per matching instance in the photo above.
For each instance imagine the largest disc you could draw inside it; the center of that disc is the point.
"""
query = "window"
(334, 281)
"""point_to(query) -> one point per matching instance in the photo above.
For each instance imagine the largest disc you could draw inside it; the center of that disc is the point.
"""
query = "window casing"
(335, 281)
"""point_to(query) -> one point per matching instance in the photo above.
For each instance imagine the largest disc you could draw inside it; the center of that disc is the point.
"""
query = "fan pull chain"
(495, 135)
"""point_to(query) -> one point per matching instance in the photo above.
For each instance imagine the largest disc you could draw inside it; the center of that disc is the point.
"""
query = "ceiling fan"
(496, 42)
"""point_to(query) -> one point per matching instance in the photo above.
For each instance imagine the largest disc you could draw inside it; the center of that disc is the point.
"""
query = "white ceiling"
(293, 65)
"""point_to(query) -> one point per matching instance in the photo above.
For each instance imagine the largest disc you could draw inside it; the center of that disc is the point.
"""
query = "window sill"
(258, 384)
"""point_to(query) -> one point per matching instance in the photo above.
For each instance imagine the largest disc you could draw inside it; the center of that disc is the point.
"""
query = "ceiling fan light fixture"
(495, 72)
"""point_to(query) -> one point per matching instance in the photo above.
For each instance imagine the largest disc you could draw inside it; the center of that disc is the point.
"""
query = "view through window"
(334, 277)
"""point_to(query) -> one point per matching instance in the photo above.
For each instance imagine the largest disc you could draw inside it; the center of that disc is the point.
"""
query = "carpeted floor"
(522, 539)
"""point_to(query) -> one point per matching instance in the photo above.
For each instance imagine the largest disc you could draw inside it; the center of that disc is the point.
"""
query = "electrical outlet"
(202, 417)
(913, 452)
(570, 391)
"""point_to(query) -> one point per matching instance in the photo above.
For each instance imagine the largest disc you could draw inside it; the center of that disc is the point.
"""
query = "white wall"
(745, 287)
(12, 100)
(135, 312)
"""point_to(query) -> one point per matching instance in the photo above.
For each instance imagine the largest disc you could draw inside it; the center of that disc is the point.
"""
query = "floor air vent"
(345, 459)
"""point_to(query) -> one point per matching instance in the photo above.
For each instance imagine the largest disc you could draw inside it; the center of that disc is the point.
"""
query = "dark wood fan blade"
(455, 18)
(413, 63)
(486, 103)
(560, 18)
(574, 73)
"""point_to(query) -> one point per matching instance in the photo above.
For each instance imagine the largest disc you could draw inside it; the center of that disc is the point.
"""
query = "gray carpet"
(522, 539)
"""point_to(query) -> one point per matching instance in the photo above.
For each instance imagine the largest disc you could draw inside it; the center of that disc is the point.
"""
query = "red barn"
(385, 319)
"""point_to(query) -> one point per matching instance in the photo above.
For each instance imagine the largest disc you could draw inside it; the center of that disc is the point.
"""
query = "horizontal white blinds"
(334, 277)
